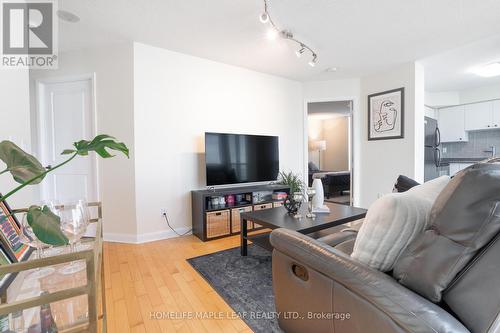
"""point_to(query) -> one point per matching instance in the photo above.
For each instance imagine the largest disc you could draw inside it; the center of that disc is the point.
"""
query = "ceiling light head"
(64, 15)
(331, 69)
(272, 34)
(299, 52)
(287, 34)
(264, 17)
(313, 61)
(489, 70)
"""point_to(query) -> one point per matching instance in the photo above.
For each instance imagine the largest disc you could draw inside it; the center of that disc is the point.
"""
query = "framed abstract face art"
(386, 115)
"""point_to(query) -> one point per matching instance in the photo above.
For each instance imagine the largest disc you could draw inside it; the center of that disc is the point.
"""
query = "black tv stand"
(213, 221)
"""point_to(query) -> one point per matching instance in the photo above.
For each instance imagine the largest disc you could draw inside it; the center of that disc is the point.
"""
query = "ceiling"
(451, 70)
(360, 37)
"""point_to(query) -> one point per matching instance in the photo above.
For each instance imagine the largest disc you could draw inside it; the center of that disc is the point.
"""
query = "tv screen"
(239, 158)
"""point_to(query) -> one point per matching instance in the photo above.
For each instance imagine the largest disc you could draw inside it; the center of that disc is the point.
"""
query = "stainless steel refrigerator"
(432, 149)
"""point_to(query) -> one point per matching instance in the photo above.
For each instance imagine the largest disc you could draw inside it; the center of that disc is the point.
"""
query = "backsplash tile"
(478, 142)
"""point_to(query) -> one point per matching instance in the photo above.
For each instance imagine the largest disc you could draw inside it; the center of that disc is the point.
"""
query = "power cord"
(168, 223)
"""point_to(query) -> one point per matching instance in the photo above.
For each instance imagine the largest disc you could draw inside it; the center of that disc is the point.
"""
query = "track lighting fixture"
(274, 32)
(264, 18)
(299, 52)
(313, 61)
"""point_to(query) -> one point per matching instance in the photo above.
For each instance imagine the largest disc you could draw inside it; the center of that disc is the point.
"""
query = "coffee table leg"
(243, 237)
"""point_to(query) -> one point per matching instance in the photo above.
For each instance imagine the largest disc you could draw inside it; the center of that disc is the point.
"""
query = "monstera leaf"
(99, 145)
(20, 164)
(46, 225)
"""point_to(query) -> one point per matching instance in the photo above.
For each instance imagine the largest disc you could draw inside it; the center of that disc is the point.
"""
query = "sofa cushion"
(464, 218)
(393, 221)
(347, 247)
(404, 183)
(337, 238)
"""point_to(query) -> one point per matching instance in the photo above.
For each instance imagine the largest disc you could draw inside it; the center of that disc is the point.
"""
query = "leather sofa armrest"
(406, 309)
(337, 238)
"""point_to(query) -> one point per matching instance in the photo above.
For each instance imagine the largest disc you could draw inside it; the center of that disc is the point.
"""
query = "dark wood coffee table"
(278, 218)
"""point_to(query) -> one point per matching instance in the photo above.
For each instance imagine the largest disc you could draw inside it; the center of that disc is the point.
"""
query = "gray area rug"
(245, 283)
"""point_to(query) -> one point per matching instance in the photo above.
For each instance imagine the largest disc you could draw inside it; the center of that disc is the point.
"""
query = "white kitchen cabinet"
(451, 123)
(479, 116)
(496, 114)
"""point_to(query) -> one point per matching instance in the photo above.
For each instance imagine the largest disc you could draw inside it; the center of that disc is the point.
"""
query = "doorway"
(329, 142)
(66, 114)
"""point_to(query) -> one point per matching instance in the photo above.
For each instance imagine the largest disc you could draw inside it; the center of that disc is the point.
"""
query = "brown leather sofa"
(319, 288)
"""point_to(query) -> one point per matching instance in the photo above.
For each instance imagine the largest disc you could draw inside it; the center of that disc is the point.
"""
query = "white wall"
(440, 99)
(431, 112)
(473, 95)
(176, 99)
(112, 66)
(340, 90)
(383, 161)
(480, 94)
(15, 120)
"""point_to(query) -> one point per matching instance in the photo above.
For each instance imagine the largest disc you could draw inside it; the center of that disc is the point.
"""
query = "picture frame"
(386, 115)
(10, 231)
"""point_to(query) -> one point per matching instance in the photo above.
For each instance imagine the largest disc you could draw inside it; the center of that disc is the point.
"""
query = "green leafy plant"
(292, 180)
(27, 170)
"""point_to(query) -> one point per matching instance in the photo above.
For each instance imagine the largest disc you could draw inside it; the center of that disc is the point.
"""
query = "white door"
(452, 124)
(66, 115)
(478, 116)
(496, 114)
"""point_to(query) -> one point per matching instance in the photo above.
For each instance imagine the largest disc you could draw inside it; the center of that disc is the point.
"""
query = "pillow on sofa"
(393, 221)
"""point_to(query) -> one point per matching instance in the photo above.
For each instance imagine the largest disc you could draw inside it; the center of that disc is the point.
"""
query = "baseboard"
(144, 238)
(159, 235)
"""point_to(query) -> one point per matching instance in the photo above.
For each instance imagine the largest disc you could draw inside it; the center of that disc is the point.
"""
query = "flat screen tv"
(240, 158)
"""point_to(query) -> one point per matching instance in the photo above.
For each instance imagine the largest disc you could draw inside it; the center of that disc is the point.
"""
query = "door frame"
(61, 79)
(352, 122)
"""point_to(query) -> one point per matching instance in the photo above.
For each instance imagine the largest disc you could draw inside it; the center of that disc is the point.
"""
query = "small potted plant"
(294, 199)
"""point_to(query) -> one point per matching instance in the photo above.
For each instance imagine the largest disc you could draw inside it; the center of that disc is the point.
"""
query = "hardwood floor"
(154, 278)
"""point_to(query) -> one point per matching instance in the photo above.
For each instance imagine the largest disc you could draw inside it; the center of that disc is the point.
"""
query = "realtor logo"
(29, 34)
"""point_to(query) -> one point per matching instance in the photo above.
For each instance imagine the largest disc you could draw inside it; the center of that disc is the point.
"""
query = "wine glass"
(50, 250)
(84, 206)
(28, 237)
(74, 222)
(310, 194)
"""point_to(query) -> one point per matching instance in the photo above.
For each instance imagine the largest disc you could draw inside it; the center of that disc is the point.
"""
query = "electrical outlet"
(163, 211)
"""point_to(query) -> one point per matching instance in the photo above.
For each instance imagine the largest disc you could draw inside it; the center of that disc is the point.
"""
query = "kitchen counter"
(448, 160)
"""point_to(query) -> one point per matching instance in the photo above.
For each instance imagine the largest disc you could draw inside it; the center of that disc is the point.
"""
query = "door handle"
(437, 157)
(438, 136)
